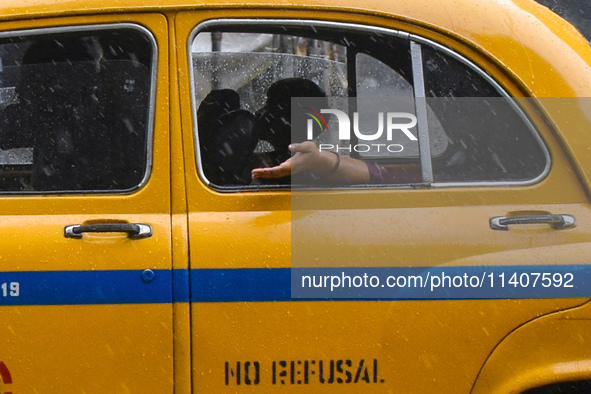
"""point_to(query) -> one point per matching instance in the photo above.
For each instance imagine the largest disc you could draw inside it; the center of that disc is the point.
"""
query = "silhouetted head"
(274, 123)
(216, 104)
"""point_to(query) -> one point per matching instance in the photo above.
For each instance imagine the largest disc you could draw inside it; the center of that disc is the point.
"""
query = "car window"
(398, 103)
(74, 109)
(233, 75)
(488, 138)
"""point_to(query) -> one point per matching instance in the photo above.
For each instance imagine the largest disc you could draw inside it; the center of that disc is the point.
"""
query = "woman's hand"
(306, 156)
(280, 171)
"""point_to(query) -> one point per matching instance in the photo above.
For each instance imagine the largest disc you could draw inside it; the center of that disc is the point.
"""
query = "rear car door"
(282, 272)
(85, 234)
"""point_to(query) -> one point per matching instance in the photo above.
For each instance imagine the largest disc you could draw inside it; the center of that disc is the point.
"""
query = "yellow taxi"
(150, 241)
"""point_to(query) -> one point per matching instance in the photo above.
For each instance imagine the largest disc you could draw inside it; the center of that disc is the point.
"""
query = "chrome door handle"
(556, 221)
(133, 230)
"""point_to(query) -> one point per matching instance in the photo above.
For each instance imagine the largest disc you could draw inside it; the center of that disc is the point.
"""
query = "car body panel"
(560, 354)
(411, 340)
(80, 320)
(182, 340)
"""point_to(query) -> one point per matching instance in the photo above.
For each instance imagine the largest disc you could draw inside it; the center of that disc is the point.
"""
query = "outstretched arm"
(307, 156)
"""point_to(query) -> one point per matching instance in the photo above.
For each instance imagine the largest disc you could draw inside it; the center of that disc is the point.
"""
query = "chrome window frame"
(152, 100)
(415, 42)
(418, 75)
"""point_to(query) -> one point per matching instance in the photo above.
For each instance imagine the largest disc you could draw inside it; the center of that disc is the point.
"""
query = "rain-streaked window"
(386, 87)
(74, 110)
(487, 138)
(241, 124)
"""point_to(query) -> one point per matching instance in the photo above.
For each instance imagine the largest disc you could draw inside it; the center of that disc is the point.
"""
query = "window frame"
(151, 102)
(416, 43)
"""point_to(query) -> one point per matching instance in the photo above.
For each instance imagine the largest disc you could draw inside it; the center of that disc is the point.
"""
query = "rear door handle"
(133, 230)
(556, 221)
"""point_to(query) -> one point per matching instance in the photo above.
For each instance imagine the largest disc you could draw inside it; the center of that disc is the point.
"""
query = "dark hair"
(274, 123)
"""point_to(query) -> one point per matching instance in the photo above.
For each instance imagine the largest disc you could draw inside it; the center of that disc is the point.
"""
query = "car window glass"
(377, 79)
(243, 82)
(74, 110)
(488, 138)
(234, 73)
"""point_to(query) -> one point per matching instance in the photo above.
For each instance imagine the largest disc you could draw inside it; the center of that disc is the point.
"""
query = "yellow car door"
(404, 282)
(85, 233)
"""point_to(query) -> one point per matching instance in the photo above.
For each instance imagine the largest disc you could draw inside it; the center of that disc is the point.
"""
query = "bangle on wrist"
(336, 166)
